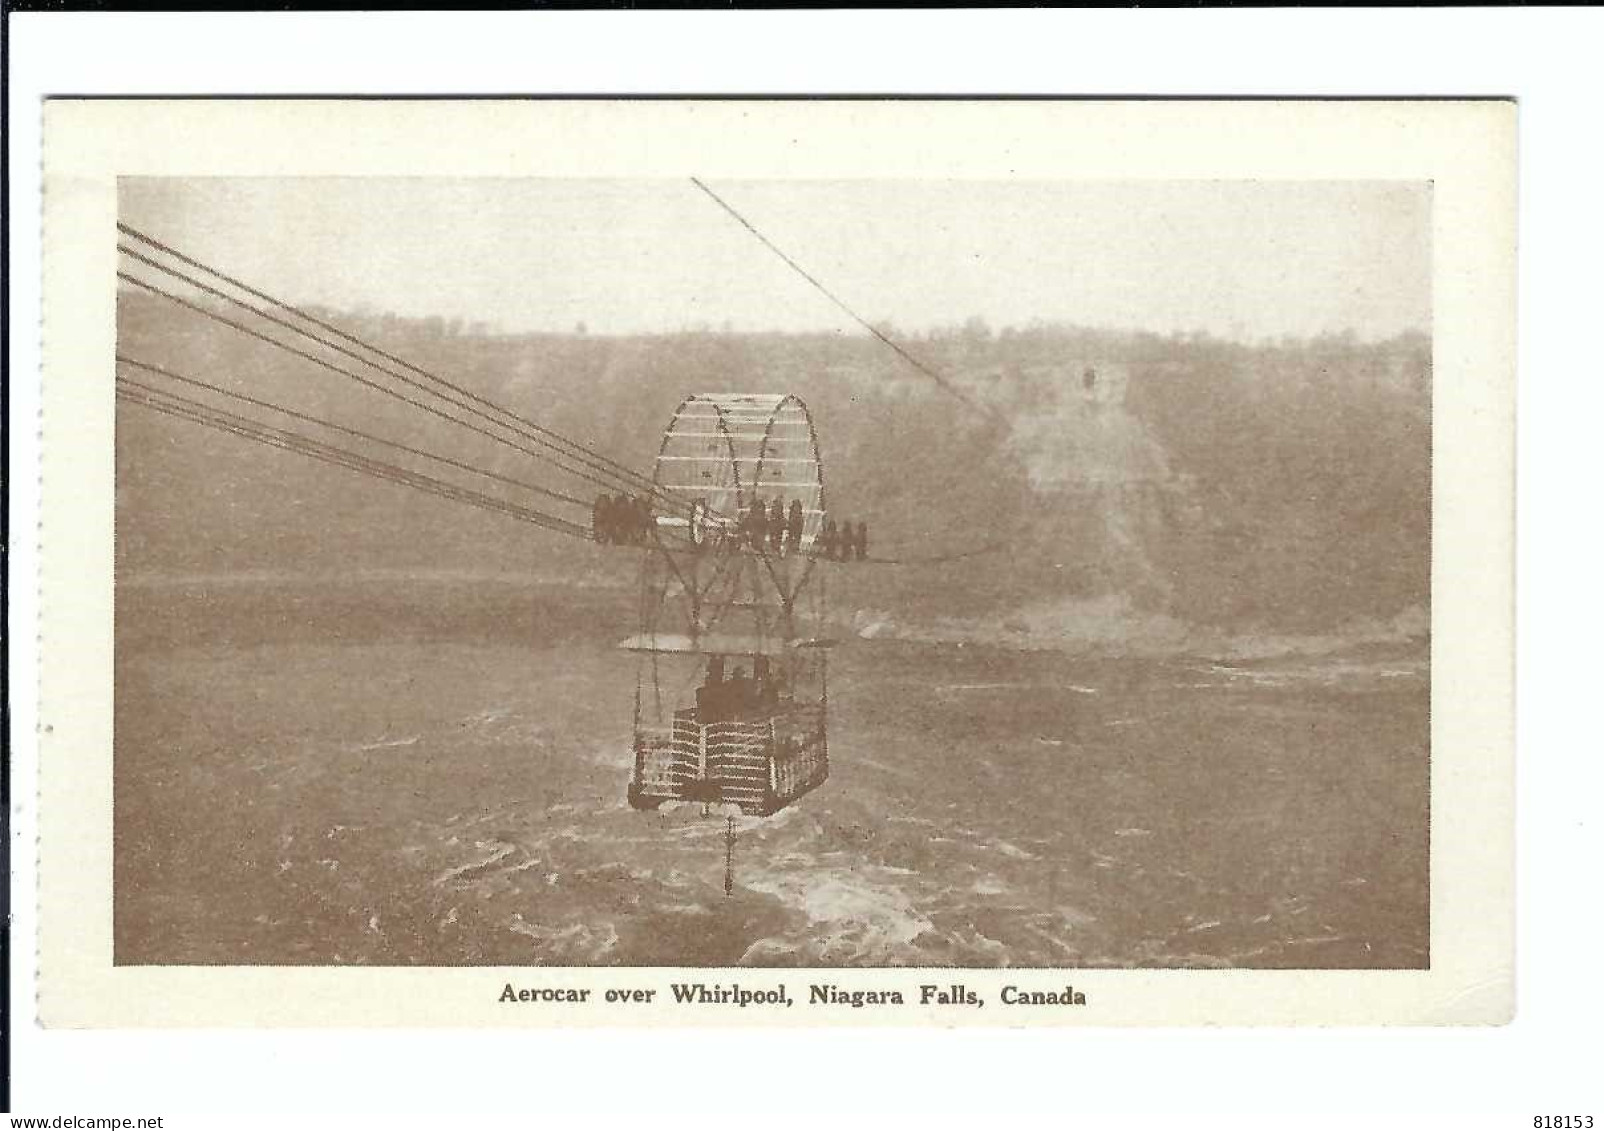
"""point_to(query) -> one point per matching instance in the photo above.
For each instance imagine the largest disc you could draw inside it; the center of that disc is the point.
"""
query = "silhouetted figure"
(793, 527)
(738, 694)
(710, 696)
(766, 690)
(860, 542)
(829, 540)
(643, 519)
(615, 520)
(757, 521)
(598, 518)
(619, 519)
(776, 526)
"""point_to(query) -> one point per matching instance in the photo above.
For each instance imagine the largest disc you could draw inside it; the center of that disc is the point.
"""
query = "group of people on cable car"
(776, 527)
(738, 696)
(846, 543)
(620, 520)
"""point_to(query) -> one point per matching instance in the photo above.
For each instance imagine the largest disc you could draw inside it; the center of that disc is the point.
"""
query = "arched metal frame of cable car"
(732, 688)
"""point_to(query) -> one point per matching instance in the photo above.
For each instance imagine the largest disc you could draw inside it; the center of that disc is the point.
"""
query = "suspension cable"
(329, 424)
(184, 408)
(943, 382)
(576, 450)
(611, 483)
(157, 370)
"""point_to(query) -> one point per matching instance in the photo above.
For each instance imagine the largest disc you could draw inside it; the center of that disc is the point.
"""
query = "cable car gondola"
(732, 693)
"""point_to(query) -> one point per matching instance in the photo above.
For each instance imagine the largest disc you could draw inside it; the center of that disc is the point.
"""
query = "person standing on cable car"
(860, 542)
(777, 526)
(619, 523)
(643, 518)
(738, 694)
(598, 518)
(768, 689)
(793, 527)
(756, 524)
(760, 677)
(611, 521)
(710, 696)
(829, 539)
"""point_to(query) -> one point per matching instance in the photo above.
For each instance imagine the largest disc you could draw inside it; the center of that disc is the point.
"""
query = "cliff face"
(1176, 481)
(1101, 480)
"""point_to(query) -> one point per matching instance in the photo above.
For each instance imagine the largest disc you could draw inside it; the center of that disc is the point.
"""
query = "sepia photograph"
(717, 562)
(782, 573)
(949, 562)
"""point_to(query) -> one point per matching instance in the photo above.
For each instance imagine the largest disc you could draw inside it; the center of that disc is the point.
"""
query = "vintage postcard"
(525, 562)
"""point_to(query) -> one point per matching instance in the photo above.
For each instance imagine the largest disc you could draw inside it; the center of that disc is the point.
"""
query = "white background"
(1542, 1063)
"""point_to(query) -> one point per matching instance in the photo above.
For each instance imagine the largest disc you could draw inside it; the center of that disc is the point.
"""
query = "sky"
(1245, 260)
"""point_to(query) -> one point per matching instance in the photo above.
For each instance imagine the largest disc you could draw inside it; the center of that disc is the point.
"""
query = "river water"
(432, 770)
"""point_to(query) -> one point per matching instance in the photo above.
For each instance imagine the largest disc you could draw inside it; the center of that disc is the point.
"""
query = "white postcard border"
(1466, 149)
